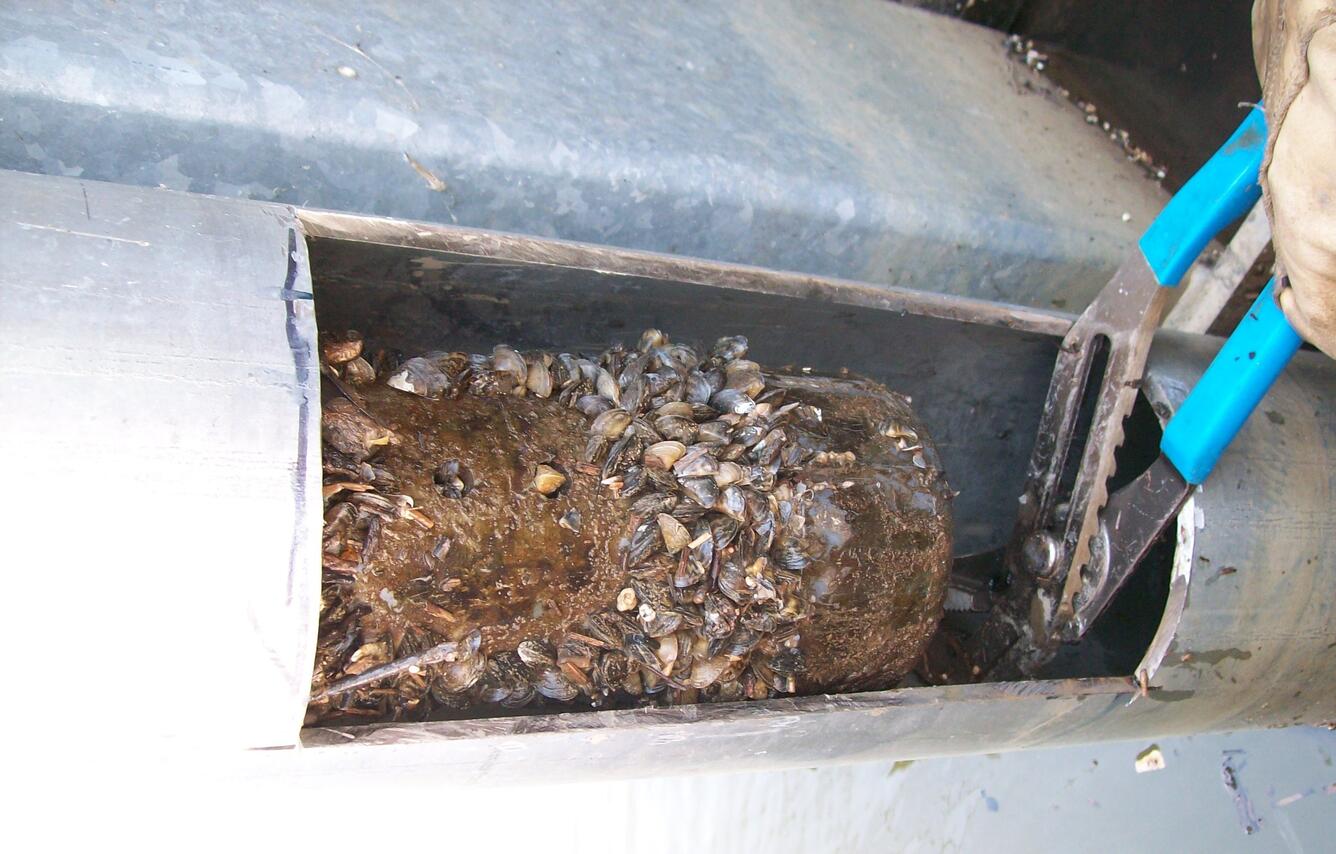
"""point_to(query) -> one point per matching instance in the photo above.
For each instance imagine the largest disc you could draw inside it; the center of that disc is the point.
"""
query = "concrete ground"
(1264, 790)
(1088, 798)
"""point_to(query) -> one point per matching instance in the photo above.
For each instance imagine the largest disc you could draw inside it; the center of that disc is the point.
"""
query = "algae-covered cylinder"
(655, 524)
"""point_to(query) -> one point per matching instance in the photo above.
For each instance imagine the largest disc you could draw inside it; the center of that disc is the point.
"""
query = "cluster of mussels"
(707, 462)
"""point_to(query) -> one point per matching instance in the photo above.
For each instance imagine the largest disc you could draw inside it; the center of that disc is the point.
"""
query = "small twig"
(352, 396)
(435, 655)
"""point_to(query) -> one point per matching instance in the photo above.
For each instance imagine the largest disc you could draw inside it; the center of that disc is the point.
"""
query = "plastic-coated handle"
(1221, 191)
(1230, 389)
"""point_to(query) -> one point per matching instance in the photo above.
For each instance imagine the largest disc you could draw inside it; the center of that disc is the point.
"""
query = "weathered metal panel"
(854, 139)
(1254, 644)
(161, 431)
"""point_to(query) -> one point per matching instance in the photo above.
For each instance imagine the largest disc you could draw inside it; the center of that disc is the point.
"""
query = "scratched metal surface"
(161, 433)
(1255, 570)
(855, 139)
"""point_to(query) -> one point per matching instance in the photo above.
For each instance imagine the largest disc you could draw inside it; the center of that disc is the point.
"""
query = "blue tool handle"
(1230, 389)
(1221, 191)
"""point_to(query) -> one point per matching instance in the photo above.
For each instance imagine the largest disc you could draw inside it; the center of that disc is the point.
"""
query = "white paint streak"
(59, 230)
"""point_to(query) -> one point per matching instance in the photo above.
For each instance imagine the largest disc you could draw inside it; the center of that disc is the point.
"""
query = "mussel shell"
(684, 358)
(733, 503)
(539, 379)
(571, 367)
(634, 482)
(662, 479)
(760, 477)
(737, 645)
(637, 649)
(655, 383)
(419, 376)
(607, 386)
(607, 627)
(794, 455)
(623, 448)
(715, 378)
(708, 671)
(611, 424)
(358, 371)
(790, 556)
(713, 433)
(338, 349)
(592, 405)
(732, 453)
(730, 347)
(614, 667)
(701, 490)
(506, 360)
(675, 534)
(732, 582)
(745, 376)
(500, 678)
(703, 412)
(553, 684)
(595, 448)
(536, 653)
(664, 455)
(720, 616)
(547, 480)
(634, 394)
(732, 400)
(453, 479)
(676, 427)
(696, 463)
(675, 408)
(644, 540)
(728, 474)
(749, 434)
(651, 338)
(633, 369)
(761, 620)
(461, 675)
(588, 370)
(769, 447)
(656, 613)
(725, 531)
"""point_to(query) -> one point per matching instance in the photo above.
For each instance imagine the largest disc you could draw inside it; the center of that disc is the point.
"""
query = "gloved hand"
(1294, 46)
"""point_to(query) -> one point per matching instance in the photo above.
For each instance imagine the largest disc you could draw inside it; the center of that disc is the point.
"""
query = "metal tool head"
(1058, 590)
(1052, 540)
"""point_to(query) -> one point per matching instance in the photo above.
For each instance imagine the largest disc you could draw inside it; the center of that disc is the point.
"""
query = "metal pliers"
(1069, 553)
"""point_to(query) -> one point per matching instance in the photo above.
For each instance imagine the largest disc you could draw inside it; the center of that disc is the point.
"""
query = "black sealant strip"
(301, 361)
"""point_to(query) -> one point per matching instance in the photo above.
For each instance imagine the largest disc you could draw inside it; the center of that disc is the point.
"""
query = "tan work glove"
(1294, 46)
